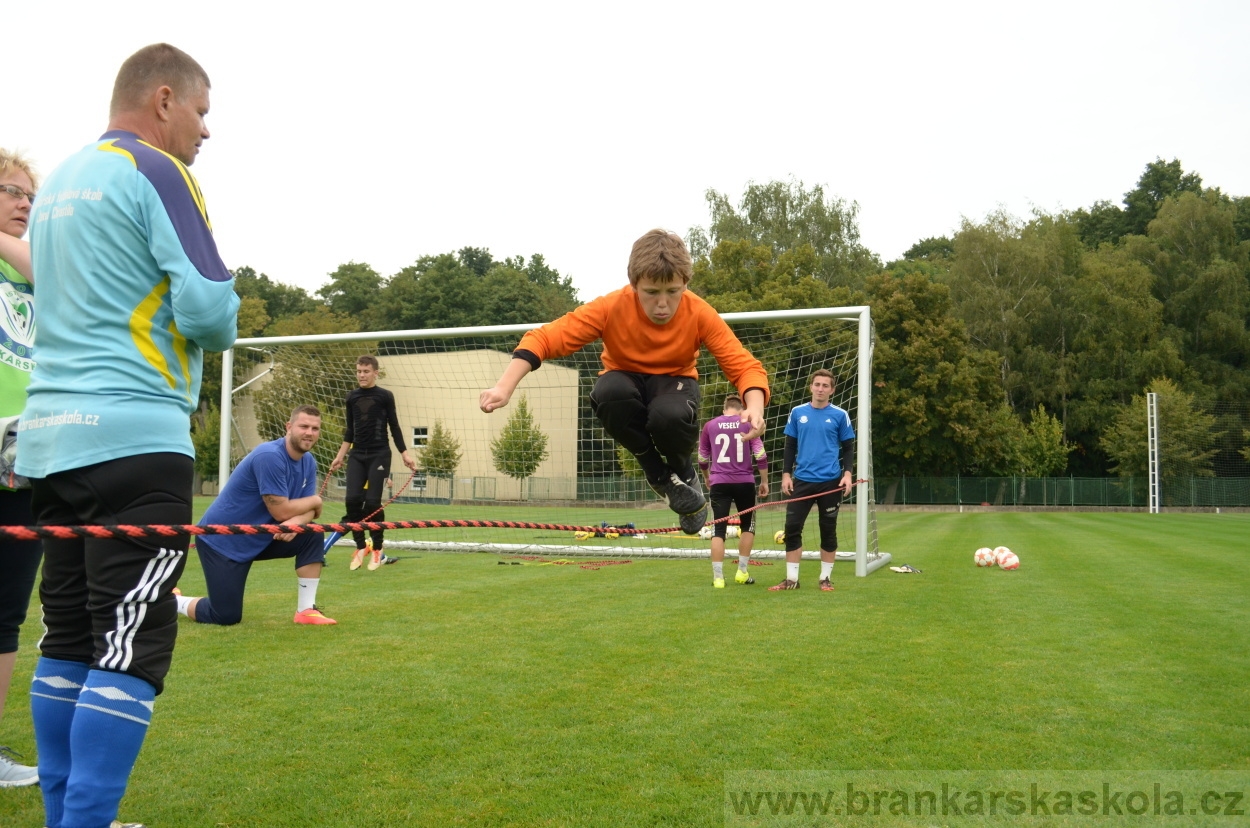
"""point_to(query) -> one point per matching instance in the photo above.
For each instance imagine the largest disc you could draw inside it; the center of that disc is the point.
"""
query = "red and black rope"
(172, 531)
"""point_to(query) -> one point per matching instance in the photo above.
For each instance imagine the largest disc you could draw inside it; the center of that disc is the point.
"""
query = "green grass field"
(455, 691)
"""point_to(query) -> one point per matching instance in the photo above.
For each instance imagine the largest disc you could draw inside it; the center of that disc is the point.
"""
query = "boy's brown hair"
(368, 359)
(823, 372)
(733, 401)
(662, 256)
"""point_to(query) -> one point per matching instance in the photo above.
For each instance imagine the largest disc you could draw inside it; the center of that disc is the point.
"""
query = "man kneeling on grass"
(275, 483)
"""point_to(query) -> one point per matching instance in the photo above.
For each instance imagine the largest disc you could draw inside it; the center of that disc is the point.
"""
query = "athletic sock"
(826, 569)
(110, 723)
(183, 602)
(53, 694)
(743, 562)
(718, 569)
(307, 593)
(792, 572)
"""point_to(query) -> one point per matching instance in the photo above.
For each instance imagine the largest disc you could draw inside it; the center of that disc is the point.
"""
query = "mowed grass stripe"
(456, 691)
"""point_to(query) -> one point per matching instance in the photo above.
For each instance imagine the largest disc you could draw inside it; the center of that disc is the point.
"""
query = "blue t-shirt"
(268, 470)
(820, 432)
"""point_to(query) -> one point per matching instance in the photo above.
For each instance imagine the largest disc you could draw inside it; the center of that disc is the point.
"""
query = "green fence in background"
(1061, 491)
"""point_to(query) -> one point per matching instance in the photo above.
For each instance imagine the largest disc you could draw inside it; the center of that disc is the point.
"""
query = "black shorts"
(226, 578)
(741, 495)
(827, 506)
(108, 602)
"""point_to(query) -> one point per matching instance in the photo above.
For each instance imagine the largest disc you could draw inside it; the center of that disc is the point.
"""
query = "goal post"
(436, 376)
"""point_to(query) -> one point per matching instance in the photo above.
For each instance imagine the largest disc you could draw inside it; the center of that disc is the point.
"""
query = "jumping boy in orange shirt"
(647, 395)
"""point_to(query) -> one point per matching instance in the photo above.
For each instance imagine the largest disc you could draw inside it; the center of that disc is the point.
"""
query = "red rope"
(172, 531)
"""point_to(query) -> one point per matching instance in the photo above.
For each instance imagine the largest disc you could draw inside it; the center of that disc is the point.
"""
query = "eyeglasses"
(17, 192)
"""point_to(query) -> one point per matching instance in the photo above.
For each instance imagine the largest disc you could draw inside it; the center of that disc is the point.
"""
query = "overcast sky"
(381, 132)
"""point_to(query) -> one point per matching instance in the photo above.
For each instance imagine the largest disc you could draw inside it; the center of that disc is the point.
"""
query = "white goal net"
(579, 478)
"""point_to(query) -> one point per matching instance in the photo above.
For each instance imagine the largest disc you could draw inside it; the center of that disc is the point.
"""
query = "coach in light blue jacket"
(131, 292)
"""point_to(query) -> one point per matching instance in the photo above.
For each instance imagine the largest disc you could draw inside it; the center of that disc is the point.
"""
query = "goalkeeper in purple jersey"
(730, 463)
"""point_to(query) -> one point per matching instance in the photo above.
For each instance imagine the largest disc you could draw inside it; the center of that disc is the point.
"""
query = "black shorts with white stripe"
(108, 602)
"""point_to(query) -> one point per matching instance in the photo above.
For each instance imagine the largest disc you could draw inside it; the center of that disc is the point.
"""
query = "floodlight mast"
(1152, 451)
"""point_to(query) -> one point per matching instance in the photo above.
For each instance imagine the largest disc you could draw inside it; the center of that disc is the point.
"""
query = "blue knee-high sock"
(110, 723)
(53, 696)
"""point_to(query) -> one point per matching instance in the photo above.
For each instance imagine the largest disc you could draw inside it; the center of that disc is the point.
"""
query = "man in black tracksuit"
(370, 411)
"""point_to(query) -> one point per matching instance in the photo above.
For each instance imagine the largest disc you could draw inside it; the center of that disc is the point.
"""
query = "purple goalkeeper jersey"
(731, 459)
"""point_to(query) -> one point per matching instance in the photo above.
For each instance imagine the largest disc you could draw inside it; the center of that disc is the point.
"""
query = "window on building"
(420, 436)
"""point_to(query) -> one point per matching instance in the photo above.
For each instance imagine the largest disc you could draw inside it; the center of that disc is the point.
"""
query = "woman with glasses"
(19, 560)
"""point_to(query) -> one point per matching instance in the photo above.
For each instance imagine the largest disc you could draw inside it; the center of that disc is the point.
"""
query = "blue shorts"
(227, 578)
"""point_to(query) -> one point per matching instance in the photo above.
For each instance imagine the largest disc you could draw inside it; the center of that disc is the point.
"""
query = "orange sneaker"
(358, 558)
(375, 557)
(312, 615)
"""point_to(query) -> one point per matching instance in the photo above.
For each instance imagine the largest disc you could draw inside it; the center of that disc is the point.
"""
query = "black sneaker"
(693, 522)
(684, 498)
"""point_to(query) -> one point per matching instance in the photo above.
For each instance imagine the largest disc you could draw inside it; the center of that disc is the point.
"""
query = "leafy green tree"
(938, 247)
(1105, 223)
(1202, 277)
(206, 439)
(1006, 278)
(937, 408)
(1187, 436)
(320, 320)
(1041, 450)
(1241, 221)
(279, 299)
(1118, 344)
(291, 384)
(252, 316)
(784, 217)
(353, 291)
(1161, 180)
(441, 455)
(521, 446)
(468, 288)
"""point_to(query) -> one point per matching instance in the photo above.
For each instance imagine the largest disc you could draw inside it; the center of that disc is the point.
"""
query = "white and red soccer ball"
(999, 556)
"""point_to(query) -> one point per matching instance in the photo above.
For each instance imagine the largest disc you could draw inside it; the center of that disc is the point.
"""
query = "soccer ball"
(779, 536)
(984, 556)
(1009, 561)
(732, 531)
(706, 533)
(1000, 553)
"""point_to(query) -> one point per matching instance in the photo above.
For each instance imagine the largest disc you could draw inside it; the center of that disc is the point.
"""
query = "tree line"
(1014, 346)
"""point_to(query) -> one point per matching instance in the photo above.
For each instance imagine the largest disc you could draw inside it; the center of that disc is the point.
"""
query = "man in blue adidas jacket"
(132, 291)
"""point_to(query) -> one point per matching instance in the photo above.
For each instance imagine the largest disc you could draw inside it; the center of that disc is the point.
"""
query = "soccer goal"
(544, 458)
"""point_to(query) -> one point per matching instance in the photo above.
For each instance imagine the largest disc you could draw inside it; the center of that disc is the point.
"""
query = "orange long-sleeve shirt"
(632, 342)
